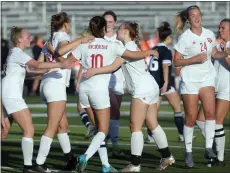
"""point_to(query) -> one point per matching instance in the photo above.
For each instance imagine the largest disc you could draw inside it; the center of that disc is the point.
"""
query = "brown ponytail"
(134, 31)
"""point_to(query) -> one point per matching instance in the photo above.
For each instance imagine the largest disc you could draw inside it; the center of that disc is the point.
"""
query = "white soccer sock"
(160, 137)
(200, 124)
(114, 131)
(27, 150)
(137, 143)
(94, 145)
(103, 154)
(209, 132)
(188, 135)
(44, 149)
(220, 141)
(64, 141)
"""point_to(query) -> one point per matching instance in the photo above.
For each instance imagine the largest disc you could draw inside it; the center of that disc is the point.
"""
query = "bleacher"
(36, 15)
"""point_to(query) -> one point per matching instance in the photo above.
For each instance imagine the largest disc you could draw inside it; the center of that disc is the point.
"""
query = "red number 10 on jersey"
(97, 60)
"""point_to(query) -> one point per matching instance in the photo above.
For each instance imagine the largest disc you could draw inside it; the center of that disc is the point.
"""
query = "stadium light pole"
(213, 6)
(227, 10)
(44, 12)
(73, 25)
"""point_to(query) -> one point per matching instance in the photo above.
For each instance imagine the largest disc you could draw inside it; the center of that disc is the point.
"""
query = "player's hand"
(227, 51)
(50, 48)
(164, 88)
(89, 73)
(87, 39)
(67, 64)
(5, 127)
(28, 69)
(201, 58)
(154, 53)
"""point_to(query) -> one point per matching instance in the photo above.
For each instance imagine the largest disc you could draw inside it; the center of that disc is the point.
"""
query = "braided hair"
(57, 21)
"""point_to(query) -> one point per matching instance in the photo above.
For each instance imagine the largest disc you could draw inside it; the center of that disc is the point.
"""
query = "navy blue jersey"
(156, 65)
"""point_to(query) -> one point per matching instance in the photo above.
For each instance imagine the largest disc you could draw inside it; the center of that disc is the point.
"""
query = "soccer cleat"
(131, 168)
(181, 138)
(81, 163)
(189, 160)
(149, 140)
(209, 154)
(116, 152)
(71, 164)
(215, 162)
(90, 132)
(42, 168)
(28, 169)
(165, 162)
(108, 169)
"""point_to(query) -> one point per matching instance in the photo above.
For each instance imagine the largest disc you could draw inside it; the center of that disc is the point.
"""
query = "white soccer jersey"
(117, 77)
(190, 45)
(15, 72)
(60, 75)
(138, 79)
(97, 54)
(223, 72)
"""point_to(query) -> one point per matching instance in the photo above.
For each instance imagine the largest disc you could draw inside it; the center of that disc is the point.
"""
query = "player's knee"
(209, 115)
(28, 131)
(190, 122)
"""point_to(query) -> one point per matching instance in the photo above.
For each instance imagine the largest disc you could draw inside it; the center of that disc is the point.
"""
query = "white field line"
(56, 142)
(126, 127)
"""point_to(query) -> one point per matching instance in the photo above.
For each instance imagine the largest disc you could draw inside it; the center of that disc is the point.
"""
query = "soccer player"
(12, 88)
(116, 87)
(222, 85)
(193, 53)
(94, 91)
(145, 93)
(53, 92)
(161, 69)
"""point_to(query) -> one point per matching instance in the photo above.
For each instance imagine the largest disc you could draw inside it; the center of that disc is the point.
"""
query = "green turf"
(12, 154)
(11, 151)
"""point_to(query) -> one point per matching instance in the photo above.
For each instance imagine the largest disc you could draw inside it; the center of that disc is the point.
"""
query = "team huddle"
(113, 64)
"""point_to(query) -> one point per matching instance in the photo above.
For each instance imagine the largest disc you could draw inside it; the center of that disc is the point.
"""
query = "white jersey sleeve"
(77, 52)
(23, 59)
(181, 45)
(119, 49)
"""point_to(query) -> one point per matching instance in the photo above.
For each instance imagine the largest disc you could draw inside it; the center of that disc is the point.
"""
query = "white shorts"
(194, 87)
(13, 105)
(52, 91)
(171, 90)
(223, 96)
(149, 98)
(94, 99)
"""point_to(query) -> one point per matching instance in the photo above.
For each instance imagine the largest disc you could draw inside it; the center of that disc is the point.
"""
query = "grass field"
(12, 160)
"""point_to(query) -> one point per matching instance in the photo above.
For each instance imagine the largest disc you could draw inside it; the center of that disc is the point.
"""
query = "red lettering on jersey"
(97, 46)
(95, 59)
(209, 40)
